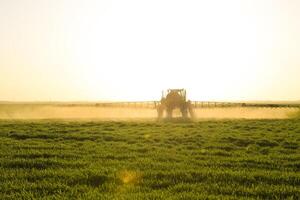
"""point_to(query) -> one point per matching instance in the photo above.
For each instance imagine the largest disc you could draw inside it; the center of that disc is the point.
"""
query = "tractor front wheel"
(169, 113)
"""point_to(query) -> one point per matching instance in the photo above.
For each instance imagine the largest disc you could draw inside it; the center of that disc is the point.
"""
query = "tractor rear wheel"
(184, 112)
(160, 111)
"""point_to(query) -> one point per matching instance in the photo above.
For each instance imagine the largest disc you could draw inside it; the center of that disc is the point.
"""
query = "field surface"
(229, 159)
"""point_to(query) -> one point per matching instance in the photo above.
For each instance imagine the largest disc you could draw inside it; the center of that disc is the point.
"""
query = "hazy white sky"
(131, 50)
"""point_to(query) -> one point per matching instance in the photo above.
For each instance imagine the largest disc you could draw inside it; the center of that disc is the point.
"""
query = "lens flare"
(129, 177)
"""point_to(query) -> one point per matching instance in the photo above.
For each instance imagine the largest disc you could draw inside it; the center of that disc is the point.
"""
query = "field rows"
(238, 159)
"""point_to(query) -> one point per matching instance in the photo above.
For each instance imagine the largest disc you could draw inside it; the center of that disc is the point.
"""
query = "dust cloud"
(246, 113)
(77, 112)
(105, 113)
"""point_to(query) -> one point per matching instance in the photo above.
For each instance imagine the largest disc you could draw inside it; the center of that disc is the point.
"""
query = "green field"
(233, 159)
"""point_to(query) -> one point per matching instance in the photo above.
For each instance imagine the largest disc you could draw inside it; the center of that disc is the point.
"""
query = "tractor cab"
(173, 93)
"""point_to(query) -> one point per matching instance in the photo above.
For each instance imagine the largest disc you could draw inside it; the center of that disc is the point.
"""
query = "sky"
(102, 50)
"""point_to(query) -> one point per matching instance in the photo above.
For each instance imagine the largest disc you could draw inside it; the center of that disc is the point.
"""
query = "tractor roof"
(176, 90)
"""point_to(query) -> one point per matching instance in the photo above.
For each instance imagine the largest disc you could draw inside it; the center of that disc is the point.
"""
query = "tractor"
(172, 99)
